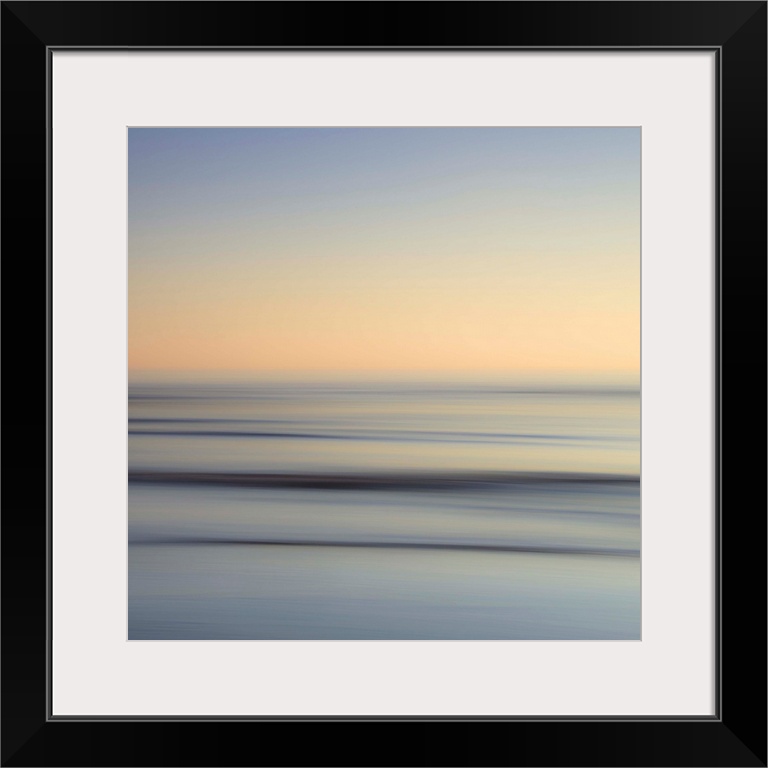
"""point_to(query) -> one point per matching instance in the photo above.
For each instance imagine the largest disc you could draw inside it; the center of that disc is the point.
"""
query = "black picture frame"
(736, 734)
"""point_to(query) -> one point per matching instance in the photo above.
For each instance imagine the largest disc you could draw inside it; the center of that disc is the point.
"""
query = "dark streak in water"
(232, 433)
(427, 481)
(513, 548)
(208, 421)
(370, 435)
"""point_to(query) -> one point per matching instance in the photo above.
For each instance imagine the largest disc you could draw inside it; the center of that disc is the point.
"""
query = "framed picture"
(386, 382)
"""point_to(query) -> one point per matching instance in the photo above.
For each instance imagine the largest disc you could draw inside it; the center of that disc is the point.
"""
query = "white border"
(96, 671)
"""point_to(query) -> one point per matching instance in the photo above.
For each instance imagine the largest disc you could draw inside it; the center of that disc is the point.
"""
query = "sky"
(477, 251)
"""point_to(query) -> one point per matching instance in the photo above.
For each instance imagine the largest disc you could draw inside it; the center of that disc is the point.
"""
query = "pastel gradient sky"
(461, 250)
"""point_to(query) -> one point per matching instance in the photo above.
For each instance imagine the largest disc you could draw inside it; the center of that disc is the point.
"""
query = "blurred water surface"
(383, 511)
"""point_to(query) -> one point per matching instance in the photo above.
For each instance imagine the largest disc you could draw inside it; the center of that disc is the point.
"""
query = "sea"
(383, 510)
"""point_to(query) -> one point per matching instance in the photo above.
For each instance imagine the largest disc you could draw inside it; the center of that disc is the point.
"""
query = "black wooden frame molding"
(736, 735)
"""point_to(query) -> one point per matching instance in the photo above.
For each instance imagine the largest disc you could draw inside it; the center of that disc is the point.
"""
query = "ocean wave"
(418, 545)
(375, 435)
(383, 481)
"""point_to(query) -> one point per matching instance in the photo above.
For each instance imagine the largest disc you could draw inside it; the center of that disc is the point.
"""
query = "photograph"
(384, 383)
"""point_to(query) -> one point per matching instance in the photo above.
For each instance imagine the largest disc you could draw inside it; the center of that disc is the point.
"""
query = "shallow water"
(362, 511)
